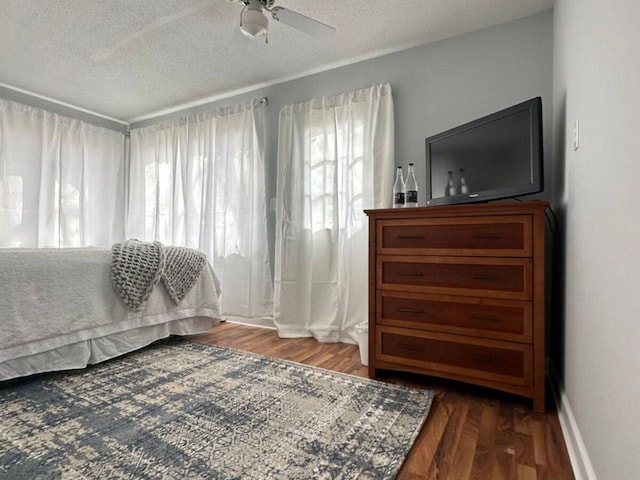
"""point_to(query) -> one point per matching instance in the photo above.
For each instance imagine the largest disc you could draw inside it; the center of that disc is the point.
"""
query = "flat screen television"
(494, 157)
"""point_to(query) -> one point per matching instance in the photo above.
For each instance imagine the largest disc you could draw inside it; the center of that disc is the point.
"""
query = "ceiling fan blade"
(303, 23)
(104, 53)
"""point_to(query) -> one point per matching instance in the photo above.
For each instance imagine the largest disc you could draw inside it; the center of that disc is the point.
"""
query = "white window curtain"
(199, 182)
(335, 159)
(61, 180)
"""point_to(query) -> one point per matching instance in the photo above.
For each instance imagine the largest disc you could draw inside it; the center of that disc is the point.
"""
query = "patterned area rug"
(182, 410)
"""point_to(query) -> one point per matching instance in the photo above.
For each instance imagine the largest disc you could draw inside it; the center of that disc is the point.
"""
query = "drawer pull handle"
(410, 274)
(411, 348)
(488, 319)
(486, 359)
(486, 277)
(410, 310)
(410, 237)
(491, 236)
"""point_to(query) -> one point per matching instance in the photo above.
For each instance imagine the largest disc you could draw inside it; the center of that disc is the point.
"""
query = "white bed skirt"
(96, 350)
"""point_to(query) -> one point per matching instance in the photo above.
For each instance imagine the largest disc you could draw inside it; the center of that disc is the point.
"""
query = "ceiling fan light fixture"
(254, 23)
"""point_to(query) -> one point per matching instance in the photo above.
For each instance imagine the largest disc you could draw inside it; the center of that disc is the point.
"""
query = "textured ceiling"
(128, 59)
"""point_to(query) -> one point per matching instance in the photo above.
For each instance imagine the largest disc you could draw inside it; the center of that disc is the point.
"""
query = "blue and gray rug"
(182, 410)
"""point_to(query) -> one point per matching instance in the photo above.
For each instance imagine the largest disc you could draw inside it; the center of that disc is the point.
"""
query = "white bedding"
(54, 301)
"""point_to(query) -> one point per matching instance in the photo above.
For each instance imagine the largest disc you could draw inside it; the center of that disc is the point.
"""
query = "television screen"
(494, 157)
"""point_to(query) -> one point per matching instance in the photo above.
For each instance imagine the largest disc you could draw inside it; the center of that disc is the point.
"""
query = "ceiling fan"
(254, 22)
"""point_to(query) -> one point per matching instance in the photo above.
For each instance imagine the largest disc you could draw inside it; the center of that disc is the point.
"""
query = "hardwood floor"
(471, 432)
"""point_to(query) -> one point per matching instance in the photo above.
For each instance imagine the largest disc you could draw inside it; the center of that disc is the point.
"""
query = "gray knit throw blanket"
(136, 267)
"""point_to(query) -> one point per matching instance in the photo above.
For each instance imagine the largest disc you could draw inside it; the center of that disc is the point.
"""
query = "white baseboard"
(262, 322)
(582, 468)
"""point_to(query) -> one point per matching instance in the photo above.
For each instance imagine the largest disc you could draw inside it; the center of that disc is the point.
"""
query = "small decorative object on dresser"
(458, 292)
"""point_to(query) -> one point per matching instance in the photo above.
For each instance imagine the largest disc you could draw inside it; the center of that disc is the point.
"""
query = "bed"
(59, 310)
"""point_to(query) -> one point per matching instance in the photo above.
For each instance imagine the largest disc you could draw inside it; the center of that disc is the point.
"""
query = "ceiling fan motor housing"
(254, 23)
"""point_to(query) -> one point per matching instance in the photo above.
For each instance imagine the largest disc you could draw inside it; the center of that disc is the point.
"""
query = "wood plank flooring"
(471, 432)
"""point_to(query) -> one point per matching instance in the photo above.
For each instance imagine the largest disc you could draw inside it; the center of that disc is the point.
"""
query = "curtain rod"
(263, 100)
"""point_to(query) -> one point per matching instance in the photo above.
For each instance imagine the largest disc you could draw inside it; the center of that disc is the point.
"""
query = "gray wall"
(435, 87)
(596, 80)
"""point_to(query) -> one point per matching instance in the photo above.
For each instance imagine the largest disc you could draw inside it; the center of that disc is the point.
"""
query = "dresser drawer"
(490, 277)
(457, 355)
(486, 318)
(508, 236)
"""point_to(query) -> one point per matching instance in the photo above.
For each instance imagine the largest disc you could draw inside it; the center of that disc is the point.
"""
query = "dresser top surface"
(474, 209)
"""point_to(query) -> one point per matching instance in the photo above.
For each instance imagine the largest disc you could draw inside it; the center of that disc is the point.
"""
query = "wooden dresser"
(458, 292)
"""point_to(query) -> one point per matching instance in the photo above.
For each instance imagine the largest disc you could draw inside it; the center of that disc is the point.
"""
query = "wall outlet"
(272, 204)
(576, 135)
